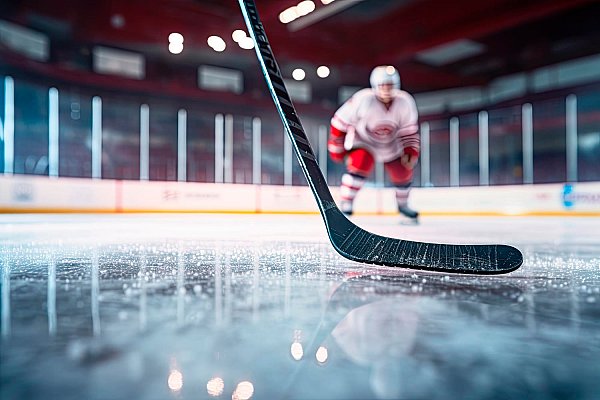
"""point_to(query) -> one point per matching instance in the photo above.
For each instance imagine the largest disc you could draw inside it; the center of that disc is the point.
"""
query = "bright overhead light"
(288, 15)
(175, 38)
(327, 1)
(238, 35)
(217, 43)
(246, 43)
(305, 7)
(298, 74)
(175, 47)
(323, 72)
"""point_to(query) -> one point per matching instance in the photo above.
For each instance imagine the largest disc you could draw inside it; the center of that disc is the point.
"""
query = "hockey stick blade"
(348, 239)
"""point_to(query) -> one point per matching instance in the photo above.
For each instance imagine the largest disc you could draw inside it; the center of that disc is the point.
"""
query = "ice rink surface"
(201, 306)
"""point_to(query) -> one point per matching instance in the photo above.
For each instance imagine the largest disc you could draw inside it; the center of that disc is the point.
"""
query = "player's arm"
(335, 144)
(340, 123)
(409, 135)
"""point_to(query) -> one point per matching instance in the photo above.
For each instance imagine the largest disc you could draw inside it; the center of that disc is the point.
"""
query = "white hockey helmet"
(385, 74)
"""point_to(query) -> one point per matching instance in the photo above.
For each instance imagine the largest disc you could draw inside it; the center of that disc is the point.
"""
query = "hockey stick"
(348, 239)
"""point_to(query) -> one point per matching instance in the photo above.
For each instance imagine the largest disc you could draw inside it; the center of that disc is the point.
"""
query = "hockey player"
(376, 124)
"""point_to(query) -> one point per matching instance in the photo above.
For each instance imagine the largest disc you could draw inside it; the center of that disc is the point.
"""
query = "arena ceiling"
(436, 44)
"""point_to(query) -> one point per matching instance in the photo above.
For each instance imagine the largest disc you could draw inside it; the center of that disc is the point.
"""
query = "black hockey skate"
(412, 216)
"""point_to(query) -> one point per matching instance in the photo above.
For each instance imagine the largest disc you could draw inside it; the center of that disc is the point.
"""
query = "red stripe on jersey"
(337, 133)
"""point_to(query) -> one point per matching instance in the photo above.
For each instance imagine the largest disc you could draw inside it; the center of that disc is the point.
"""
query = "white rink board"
(185, 197)
(285, 198)
(510, 200)
(23, 193)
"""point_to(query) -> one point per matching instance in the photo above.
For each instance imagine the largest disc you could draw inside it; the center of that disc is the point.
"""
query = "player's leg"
(359, 165)
(401, 177)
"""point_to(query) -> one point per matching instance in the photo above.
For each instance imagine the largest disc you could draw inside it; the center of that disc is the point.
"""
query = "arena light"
(175, 47)
(305, 7)
(175, 37)
(246, 43)
(300, 10)
(298, 74)
(327, 1)
(175, 42)
(288, 15)
(238, 35)
(217, 43)
(323, 71)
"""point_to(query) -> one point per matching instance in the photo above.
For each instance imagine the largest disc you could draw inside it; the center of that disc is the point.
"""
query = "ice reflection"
(218, 289)
(322, 354)
(255, 284)
(288, 281)
(243, 391)
(226, 311)
(405, 330)
(5, 292)
(142, 283)
(181, 291)
(175, 380)
(215, 387)
(296, 351)
(51, 297)
(95, 292)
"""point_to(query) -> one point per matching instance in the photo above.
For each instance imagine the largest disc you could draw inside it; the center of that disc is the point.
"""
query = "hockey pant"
(359, 165)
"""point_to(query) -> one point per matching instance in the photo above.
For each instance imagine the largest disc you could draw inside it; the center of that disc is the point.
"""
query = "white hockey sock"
(402, 196)
(351, 184)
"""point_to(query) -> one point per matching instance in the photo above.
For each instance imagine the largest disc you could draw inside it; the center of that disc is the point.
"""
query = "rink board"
(21, 193)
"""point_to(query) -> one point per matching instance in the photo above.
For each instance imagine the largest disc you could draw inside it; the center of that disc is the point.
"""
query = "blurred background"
(170, 90)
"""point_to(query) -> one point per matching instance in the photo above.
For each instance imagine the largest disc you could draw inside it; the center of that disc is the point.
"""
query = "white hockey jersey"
(371, 125)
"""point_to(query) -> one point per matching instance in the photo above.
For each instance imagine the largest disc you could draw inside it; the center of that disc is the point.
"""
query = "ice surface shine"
(202, 306)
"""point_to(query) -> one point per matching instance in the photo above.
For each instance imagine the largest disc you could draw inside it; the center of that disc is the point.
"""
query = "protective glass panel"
(439, 138)
(468, 150)
(506, 146)
(2, 120)
(200, 145)
(549, 141)
(272, 151)
(31, 128)
(588, 126)
(75, 133)
(242, 149)
(120, 138)
(163, 141)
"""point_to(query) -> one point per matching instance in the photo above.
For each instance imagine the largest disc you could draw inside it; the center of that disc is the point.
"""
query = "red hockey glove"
(410, 157)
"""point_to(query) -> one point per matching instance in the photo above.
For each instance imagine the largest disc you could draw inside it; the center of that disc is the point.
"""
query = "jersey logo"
(382, 132)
